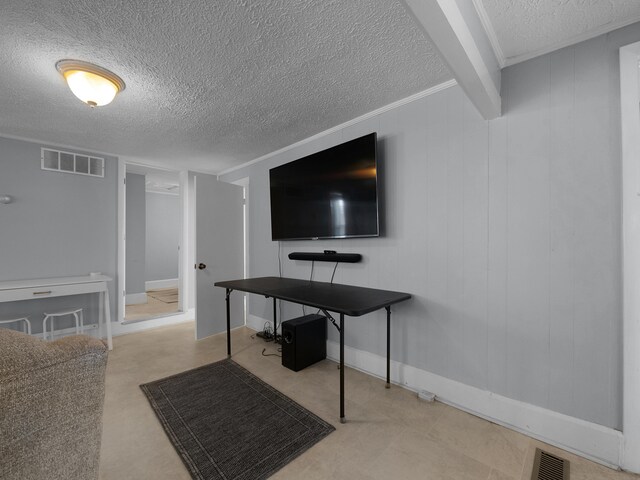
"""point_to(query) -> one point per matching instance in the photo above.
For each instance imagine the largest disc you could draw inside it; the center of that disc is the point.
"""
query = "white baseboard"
(595, 442)
(118, 328)
(167, 283)
(135, 298)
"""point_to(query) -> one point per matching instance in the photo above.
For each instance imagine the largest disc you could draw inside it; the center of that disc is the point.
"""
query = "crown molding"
(490, 31)
(604, 29)
(386, 108)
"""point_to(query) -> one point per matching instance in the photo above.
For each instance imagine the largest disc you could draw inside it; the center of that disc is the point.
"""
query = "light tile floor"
(389, 434)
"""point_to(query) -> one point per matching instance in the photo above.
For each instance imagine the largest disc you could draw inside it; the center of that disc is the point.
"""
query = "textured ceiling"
(525, 28)
(210, 84)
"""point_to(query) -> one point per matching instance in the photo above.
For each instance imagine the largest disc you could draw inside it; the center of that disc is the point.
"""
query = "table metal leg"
(342, 419)
(388, 309)
(275, 322)
(228, 322)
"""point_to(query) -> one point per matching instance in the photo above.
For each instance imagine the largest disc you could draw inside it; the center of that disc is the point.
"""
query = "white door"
(219, 253)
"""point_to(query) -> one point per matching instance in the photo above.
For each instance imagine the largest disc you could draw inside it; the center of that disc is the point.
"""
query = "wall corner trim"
(630, 149)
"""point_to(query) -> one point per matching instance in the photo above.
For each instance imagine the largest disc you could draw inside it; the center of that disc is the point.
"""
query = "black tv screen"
(330, 194)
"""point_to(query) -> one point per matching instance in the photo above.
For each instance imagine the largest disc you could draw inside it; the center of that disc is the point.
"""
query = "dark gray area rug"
(226, 423)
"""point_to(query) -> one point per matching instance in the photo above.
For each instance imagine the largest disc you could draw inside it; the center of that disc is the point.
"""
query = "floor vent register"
(549, 467)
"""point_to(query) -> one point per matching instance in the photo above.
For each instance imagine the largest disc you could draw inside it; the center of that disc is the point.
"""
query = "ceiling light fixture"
(94, 85)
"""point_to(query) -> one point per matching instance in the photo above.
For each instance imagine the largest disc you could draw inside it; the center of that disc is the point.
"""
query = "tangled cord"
(268, 336)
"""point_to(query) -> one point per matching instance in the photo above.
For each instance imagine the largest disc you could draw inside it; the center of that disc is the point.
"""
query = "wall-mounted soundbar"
(330, 256)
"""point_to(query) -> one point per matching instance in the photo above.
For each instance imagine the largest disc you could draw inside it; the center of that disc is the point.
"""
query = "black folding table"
(343, 299)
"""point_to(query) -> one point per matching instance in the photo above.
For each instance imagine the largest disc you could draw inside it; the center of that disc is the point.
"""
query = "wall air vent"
(549, 467)
(68, 162)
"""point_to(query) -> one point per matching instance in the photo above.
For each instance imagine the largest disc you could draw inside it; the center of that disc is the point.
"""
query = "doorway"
(219, 252)
(153, 237)
(630, 125)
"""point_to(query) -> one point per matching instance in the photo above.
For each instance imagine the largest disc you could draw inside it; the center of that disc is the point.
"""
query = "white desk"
(14, 290)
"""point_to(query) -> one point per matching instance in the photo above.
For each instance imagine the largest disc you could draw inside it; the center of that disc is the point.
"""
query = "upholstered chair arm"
(51, 402)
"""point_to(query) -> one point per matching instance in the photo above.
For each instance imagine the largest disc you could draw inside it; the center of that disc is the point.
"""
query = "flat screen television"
(329, 194)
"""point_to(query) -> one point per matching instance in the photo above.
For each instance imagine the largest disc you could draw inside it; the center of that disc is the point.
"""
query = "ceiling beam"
(456, 31)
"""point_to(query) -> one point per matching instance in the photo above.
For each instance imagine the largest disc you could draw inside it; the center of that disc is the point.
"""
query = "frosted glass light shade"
(92, 84)
(92, 89)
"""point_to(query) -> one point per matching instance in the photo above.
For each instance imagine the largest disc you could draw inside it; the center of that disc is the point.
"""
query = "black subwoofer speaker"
(304, 341)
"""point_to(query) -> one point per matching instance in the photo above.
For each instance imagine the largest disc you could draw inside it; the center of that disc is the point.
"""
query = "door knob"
(201, 266)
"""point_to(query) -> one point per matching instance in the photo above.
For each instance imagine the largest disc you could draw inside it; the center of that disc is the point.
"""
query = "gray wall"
(163, 236)
(59, 224)
(135, 233)
(507, 233)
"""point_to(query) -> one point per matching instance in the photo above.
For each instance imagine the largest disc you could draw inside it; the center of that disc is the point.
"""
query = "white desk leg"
(101, 315)
(107, 315)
